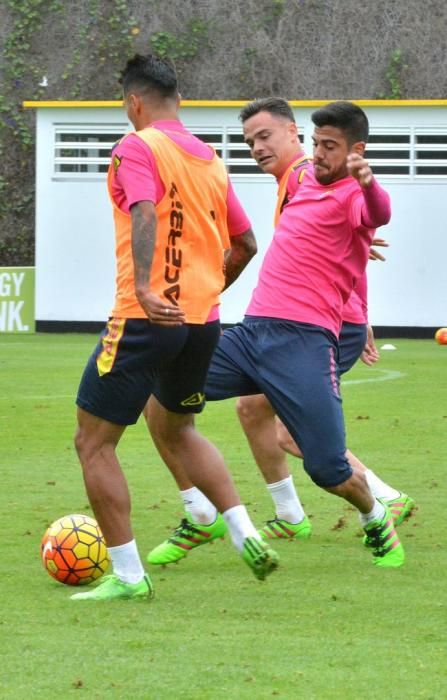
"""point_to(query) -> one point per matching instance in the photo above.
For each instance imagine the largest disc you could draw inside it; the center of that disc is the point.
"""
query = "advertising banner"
(17, 300)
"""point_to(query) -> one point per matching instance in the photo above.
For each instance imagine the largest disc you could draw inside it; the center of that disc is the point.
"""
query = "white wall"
(410, 288)
(74, 231)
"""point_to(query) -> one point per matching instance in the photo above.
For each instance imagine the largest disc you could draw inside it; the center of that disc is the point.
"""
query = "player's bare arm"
(243, 248)
(144, 231)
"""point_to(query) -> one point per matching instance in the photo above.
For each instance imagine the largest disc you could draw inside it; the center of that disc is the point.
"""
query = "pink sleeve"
(137, 175)
(376, 209)
(361, 289)
(237, 220)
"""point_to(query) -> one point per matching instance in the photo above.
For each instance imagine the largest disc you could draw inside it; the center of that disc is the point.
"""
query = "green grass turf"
(328, 625)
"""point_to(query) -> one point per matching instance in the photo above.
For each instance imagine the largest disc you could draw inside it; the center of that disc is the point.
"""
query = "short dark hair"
(149, 74)
(275, 105)
(347, 117)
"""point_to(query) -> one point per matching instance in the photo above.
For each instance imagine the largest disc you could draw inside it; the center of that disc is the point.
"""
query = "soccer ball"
(73, 550)
(441, 336)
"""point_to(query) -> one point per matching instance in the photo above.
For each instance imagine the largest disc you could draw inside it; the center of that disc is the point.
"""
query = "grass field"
(327, 626)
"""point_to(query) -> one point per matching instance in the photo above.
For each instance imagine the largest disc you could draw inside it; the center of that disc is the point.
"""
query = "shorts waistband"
(272, 320)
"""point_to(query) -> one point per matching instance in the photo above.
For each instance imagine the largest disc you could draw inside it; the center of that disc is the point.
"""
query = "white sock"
(239, 525)
(198, 506)
(287, 504)
(377, 513)
(126, 562)
(379, 488)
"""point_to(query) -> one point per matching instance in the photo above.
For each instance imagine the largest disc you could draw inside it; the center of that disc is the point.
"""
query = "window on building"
(389, 154)
(430, 154)
(83, 151)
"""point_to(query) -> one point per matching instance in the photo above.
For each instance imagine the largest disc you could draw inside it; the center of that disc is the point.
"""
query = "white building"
(74, 231)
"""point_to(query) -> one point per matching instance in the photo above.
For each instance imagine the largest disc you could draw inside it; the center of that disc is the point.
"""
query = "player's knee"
(91, 448)
(253, 409)
(175, 431)
(83, 446)
(244, 412)
(328, 473)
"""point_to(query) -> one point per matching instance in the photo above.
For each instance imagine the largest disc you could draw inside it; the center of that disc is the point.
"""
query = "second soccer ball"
(441, 336)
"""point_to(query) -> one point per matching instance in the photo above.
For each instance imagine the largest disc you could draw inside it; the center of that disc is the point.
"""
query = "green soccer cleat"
(261, 559)
(382, 538)
(112, 588)
(186, 537)
(282, 529)
(401, 508)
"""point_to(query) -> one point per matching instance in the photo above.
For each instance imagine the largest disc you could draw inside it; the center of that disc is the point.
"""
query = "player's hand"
(159, 312)
(370, 354)
(359, 168)
(374, 254)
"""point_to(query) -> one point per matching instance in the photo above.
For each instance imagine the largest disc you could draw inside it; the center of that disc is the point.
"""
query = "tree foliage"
(299, 49)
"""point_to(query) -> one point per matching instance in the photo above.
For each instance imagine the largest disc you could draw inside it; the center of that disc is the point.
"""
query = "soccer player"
(286, 347)
(271, 133)
(174, 210)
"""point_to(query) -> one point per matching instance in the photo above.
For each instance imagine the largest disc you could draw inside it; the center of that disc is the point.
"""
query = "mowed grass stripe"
(326, 626)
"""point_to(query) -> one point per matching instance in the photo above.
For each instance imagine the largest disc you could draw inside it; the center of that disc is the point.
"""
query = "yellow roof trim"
(232, 103)
(70, 103)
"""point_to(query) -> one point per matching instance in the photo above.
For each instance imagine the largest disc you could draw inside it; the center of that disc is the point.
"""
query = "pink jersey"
(138, 179)
(356, 308)
(319, 251)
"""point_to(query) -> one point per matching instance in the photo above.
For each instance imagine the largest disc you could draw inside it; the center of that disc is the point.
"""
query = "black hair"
(347, 117)
(149, 74)
(277, 106)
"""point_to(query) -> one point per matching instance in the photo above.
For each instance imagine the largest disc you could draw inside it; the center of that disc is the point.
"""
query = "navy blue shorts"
(295, 366)
(135, 358)
(351, 344)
